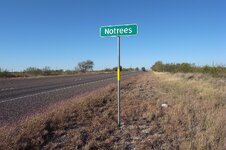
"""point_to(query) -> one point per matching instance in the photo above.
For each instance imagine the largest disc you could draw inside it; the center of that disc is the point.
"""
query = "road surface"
(22, 97)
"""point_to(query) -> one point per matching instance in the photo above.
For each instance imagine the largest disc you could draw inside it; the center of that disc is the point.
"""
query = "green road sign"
(118, 30)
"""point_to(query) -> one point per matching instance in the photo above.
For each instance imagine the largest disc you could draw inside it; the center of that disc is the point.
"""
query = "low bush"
(215, 71)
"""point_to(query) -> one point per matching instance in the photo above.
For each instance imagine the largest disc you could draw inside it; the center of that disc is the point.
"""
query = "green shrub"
(216, 71)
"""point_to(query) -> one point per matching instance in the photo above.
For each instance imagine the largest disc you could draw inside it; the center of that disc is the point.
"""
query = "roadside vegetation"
(215, 71)
(32, 71)
(6, 73)
(82, 67)
(159, 111)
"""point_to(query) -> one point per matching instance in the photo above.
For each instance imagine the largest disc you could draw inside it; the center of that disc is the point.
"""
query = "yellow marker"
(118, 74)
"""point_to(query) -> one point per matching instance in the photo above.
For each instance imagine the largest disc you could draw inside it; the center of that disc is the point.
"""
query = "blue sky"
(61, 33)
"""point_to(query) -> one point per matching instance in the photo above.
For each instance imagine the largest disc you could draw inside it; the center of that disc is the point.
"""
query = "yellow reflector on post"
(118, 76)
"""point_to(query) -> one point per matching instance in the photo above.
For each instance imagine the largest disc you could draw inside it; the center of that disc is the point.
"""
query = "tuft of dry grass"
(194, 118)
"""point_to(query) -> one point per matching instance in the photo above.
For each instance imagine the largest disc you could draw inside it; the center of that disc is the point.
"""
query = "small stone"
(164, 105)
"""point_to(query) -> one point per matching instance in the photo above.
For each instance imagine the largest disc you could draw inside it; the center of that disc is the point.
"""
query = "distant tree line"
(45, 71)
(82, 67)
(33, 71)
(124, 69)
(216, 71)
(6, 73)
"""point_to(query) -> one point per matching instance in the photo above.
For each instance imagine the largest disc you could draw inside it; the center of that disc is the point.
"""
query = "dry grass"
(198, 104)
(194, 119)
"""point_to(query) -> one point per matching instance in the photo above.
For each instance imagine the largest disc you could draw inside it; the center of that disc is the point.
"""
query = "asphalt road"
(22, 97)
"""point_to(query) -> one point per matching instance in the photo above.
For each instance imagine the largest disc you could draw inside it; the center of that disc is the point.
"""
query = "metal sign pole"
(117, 31)
(118, 77)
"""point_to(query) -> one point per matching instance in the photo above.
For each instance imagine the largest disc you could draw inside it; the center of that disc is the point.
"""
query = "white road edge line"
(7, 89)
(55, 90)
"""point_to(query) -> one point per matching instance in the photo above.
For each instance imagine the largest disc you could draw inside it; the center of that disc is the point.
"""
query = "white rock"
(164, 105)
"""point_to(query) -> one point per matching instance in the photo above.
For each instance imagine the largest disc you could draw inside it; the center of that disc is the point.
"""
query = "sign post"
(118, 78)
(118, 31)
